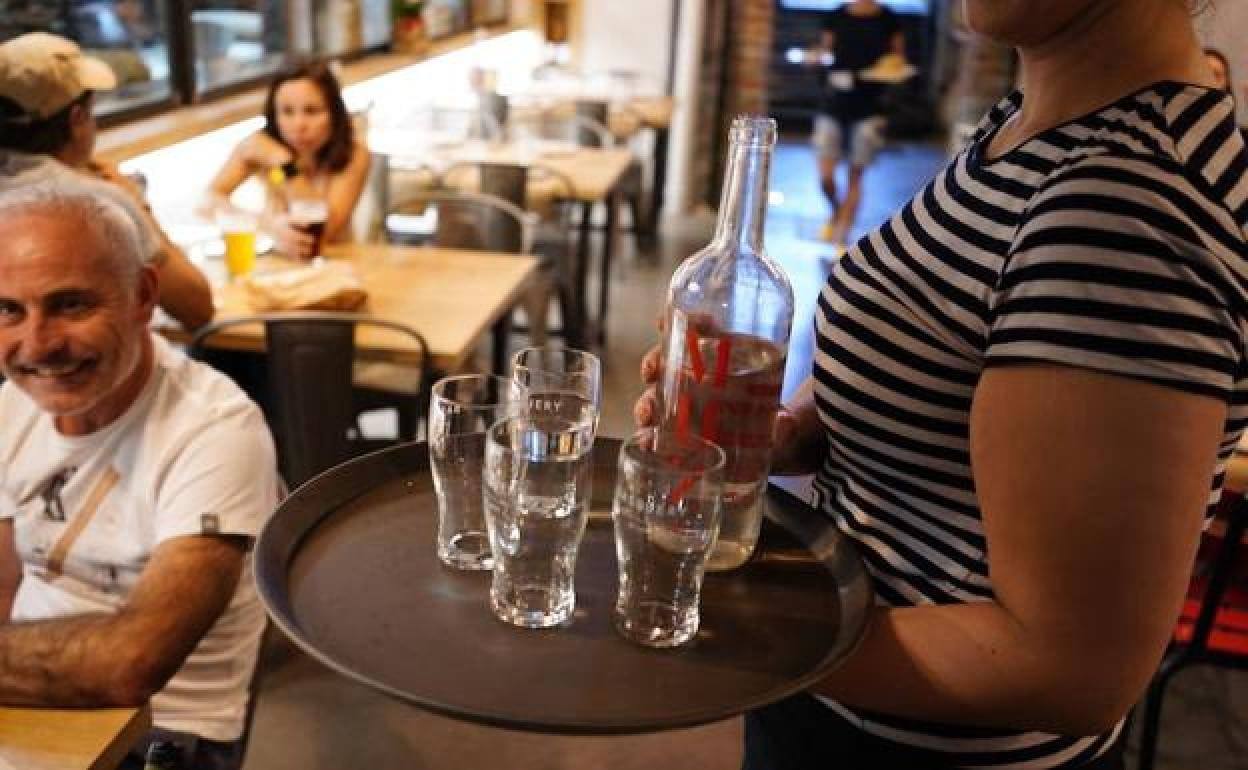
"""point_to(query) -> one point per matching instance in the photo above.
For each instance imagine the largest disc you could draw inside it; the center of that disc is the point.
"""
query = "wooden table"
(451, 297)
(594, 174)
(69, 739)
(625, 117)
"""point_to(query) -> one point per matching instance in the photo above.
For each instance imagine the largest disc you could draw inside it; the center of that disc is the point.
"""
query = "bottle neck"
(743, 202)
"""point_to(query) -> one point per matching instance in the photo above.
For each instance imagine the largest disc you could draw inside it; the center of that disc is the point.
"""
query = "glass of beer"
(309, 215)
(238, 230)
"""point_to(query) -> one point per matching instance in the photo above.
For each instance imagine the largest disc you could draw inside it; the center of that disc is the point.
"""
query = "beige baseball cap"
(44, 73)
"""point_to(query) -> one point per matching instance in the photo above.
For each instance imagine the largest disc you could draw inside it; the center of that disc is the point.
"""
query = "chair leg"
(1151, 724)
(643, 232)
(408, 421)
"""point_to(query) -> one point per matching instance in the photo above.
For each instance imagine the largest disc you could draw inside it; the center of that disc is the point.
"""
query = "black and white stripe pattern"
(1115, 242)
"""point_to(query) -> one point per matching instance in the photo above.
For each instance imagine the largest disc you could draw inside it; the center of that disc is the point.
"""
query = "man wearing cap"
(47, 129)
(132, 482)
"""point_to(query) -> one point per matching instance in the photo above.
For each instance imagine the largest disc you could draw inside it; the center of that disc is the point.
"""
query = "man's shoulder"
(195, 394)
(18, 169)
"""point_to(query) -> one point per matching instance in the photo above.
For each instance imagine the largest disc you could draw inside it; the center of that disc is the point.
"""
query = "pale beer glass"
(561, 382)
(461, 411)
(537, 486)
(667, 515)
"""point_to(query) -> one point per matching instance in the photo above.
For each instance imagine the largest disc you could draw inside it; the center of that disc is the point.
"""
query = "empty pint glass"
(461, 411)
(537, 486)
(667, 515)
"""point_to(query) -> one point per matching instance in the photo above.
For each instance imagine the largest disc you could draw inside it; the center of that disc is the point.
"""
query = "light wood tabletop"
(451, 297)
(593, 172)
(69, 739)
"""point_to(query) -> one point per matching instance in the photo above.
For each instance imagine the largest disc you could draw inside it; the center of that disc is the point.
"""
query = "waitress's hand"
(791, 442)
(290, 240)
(263, 151)
(646, 410)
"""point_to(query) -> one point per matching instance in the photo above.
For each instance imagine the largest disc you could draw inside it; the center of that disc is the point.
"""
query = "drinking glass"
(309, 215)
(537, 486)
(667, 514)
(561, 382)
(461, 410)
(238, 230)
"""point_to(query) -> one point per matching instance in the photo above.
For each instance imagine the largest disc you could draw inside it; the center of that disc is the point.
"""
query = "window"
(183, 51)
(487, 12)
(351, 26)
(129, 35)
(446, 17)
(238, 40)
(920, 7)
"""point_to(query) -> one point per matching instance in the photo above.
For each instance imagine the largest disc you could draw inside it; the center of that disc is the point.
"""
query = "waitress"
(1025, 391)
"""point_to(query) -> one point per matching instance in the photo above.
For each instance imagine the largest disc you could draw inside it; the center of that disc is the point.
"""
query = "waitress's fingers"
(650, 364)
(646, 410)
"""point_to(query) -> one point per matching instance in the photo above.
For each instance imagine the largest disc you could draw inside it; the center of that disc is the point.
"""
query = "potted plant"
(410, 33)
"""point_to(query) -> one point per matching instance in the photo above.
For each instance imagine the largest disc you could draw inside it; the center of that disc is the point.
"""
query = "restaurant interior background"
(192, 76)
(198, 65)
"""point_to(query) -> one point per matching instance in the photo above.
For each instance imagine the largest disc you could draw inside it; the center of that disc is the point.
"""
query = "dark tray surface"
(347, 569)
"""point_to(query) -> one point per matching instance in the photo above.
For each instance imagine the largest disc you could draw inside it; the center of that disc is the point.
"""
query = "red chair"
(1213, 628)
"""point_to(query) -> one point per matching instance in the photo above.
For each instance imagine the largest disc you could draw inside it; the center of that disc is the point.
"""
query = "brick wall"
(736, 46)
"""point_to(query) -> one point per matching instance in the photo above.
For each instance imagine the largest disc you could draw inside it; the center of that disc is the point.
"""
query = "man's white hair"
(102, 209)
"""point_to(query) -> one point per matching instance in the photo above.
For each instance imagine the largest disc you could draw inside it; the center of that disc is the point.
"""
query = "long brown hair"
(336, 153)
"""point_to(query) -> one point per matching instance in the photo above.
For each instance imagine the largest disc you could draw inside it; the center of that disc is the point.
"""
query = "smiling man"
(132, 481)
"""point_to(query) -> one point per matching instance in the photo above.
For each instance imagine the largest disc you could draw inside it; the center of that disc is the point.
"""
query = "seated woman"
(308, 137)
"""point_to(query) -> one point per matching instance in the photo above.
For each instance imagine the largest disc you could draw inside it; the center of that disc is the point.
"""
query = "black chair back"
(309, 388)
(496, 109)
(308, 383)
(593, 113)
(456, 220)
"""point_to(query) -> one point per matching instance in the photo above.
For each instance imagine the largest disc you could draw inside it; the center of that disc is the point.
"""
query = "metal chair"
(308, 385)
(559, 125)
(464, 220)
(1213, 627)
(460, 220)
(545, 193)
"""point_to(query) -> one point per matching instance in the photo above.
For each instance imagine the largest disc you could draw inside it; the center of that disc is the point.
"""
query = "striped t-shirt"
(1114, 242)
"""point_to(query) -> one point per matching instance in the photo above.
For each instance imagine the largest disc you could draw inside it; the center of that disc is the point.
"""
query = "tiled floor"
(310, 719)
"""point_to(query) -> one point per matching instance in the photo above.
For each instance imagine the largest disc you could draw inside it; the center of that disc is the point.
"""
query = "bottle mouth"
(753, 131)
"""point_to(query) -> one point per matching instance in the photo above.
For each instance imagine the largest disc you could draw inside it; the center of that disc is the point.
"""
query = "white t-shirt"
(191, 456)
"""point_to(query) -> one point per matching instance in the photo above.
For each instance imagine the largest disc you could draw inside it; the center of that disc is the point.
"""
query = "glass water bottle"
(729, 312)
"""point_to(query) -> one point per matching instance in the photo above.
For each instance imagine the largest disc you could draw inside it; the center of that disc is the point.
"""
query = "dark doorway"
(795, 88)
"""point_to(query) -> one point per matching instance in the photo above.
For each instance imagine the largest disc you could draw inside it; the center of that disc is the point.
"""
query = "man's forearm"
(67, 662)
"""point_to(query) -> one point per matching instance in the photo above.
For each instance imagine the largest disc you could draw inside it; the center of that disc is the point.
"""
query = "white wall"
(1225, 27)
(631, 35)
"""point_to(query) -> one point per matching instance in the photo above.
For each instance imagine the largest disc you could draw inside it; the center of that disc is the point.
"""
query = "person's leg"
(826, 141)
(867, 137)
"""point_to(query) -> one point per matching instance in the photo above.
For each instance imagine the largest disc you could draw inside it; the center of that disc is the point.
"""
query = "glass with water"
(667, 514)
(537, 487)
(561, 382)
(461, 410)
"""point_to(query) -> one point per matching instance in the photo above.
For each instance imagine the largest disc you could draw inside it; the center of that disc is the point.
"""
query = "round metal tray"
(346, 568)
